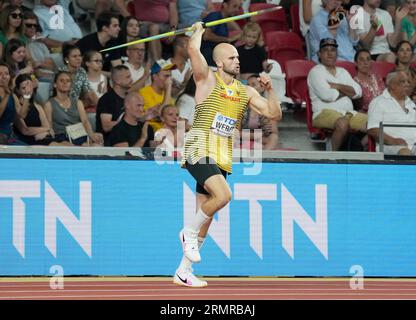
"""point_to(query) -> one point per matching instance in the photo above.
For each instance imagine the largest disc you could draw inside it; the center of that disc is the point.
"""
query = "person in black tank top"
(32, 127)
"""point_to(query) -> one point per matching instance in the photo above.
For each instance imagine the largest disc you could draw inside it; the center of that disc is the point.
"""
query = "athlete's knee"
(223, 198)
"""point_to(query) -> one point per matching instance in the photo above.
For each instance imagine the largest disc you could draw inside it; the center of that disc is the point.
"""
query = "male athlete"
(220, 104)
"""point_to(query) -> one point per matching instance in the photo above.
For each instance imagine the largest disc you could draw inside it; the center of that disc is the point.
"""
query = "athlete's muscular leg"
(220, 194)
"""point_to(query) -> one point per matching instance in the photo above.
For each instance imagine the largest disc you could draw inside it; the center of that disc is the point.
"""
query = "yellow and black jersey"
(215, 122)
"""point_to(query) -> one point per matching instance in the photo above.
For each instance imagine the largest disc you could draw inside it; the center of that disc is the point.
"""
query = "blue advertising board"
(122, 217)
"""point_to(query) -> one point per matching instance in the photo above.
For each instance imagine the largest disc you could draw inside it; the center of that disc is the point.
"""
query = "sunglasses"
(16, 15)
(31, 25)
(98, 61)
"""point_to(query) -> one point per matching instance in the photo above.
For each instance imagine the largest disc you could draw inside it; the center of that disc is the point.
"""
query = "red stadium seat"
(296, 74)
(348, 65)
(241, 22)
(297, 88)
(382, 68)
(131, 9)
(271, 21)
(283, 46)
(294, 17)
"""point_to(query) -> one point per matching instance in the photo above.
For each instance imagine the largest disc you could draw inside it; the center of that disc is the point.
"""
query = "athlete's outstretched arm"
(199, 64)
(270, 107)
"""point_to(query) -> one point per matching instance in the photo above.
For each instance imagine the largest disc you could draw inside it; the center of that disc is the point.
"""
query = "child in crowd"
(93, 64)
(253, 56)
(170, 135)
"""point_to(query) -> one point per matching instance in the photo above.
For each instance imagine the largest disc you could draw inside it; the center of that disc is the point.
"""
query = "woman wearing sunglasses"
(11, 26)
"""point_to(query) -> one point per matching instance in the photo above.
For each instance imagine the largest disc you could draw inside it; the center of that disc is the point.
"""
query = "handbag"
(76, 131)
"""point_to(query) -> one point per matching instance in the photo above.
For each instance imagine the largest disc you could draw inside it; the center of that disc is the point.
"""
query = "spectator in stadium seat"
(160, 16)
(371, 83)
(171, 135)
(11, 26)
(15, 57)
(55, 30)
(408, 26)
(81, 88)
(331, 89)
(16, 3)
(186, 104)
(220, 33)
(307, 10)
(131, 131)
(108, 27)
(394, 106)
(93, 63)
(252, 55)
(99, 6)
(62, 110)
(111, 104)
(9, 107)
(183, 71)
(346, 37)
(404, 54)
(32, 126)
(159, 93)
(391, 6)
(36, 50)
(140, 71)
(129, 31)
(191, 11)
(378, 33)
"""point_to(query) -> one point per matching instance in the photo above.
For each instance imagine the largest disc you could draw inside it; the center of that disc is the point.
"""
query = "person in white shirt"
(140, 73)
(331, 89)
(307, 9)
(377, 31)
(183, 72)
(186, 104)
(394, 106)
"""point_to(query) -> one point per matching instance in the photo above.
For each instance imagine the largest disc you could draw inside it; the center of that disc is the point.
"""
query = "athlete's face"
(231, 63)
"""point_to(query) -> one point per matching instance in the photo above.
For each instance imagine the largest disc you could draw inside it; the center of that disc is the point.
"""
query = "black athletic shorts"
(202, 170)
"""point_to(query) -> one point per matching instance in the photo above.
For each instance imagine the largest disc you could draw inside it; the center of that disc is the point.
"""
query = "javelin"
(184, 30)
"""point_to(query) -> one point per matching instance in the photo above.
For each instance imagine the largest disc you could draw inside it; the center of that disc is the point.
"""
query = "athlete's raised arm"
(199, 64)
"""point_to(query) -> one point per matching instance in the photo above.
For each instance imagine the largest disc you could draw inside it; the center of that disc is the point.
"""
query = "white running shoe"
(187, 279)
(189, 240)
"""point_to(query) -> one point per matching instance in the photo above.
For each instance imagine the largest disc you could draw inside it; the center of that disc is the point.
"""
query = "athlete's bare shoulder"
(251, 92)
(205, 86)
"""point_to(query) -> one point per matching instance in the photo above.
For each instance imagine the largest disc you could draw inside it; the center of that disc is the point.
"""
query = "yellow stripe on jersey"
(215, 121)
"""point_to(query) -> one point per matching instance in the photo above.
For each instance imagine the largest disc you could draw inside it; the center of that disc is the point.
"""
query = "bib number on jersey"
(223, 126)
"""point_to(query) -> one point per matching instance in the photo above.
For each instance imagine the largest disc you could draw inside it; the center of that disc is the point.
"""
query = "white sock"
(198, 221)
(200, 242)
(185, 262)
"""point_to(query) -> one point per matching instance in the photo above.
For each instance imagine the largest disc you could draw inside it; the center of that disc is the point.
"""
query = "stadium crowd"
(354, 59)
